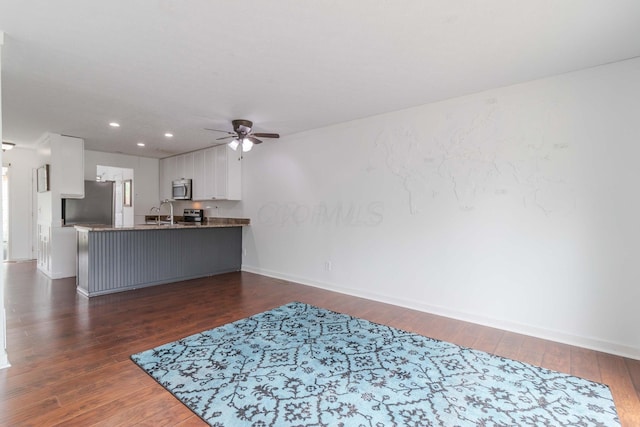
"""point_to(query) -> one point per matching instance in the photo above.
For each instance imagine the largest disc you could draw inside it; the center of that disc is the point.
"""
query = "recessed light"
(114, 125)
(140, 144)
(168, 135)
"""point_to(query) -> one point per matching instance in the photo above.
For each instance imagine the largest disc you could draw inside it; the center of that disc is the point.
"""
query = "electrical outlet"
(244, 252)
(327, 265)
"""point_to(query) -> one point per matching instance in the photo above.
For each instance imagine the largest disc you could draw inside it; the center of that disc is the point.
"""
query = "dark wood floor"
(70, 355)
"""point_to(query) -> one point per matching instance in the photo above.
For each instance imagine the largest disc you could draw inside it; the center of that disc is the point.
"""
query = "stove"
(193, 215)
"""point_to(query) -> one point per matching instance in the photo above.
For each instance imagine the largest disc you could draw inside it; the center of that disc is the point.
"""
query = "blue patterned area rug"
(299, 365)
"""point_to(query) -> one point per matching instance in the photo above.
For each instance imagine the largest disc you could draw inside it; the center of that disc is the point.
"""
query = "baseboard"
(55, 275)
(551, 335)
(4, 361)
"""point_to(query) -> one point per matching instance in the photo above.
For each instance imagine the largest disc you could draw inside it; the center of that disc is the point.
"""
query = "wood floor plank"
(584, 364)
(75, 396)
(466, 336)
(70, 355)
(40, 377)
(192, 421)
(488, 339)
(23, 414)
(531, 351)
(557, 357)
(633, 366)
(614, 373)
(509, 345)
(109, 408)
(161, 409)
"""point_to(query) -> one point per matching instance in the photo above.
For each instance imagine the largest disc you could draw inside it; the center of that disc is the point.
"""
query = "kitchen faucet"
(157, 210)
(167, 201)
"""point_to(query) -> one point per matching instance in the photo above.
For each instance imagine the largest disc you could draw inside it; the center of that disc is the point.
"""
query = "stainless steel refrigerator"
(97, 207)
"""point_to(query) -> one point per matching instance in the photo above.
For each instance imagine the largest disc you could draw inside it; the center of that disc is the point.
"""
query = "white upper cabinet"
(215, 173)
(214, 176)
(229, 172)
(167, 174)
(183, 166)
(186, 170)
(67, 166)
(198, 190)
(178, 168)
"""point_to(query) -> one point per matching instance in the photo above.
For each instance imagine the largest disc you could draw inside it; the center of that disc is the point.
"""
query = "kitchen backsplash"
(212, 208)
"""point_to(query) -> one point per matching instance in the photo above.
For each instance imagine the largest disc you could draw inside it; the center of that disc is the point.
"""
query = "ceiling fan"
(242, 135)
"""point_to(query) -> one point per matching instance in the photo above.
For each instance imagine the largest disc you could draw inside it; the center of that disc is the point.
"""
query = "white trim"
(574, 340)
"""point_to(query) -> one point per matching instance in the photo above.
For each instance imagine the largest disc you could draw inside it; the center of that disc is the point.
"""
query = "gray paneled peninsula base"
(120, 259)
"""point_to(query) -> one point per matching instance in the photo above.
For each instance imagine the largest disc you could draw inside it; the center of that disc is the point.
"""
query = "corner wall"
(515, 208)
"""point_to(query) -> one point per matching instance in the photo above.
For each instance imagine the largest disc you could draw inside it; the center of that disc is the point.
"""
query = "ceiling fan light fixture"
(242, 135)
(7, 145)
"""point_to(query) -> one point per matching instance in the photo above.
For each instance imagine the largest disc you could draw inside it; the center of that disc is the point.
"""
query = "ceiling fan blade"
(253, 139)
(266, 135)
(226, 137)
(218, 130)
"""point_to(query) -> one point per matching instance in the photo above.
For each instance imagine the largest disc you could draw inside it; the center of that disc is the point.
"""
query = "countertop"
(208, 223)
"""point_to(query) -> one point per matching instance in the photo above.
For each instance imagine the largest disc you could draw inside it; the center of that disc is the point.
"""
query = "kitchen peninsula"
(114, 259)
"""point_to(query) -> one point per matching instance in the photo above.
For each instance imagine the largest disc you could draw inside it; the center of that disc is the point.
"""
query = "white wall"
(4, 360)
(22, 162)
(516, 208)
(145, 181)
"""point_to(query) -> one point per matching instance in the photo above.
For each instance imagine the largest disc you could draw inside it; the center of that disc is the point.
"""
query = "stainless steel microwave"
(181, 189)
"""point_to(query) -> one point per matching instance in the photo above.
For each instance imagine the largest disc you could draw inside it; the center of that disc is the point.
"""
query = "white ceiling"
(72, 66)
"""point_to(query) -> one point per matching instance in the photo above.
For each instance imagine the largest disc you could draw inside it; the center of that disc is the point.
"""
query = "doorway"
(123, 212)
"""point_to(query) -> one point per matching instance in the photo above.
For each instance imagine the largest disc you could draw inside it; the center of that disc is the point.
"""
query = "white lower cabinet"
(56, 251)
